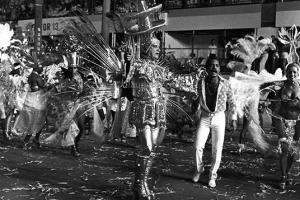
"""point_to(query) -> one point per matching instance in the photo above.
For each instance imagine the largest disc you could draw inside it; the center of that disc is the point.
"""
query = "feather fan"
(83, 29)
(290, 37)
(248, 48)
(246, 95)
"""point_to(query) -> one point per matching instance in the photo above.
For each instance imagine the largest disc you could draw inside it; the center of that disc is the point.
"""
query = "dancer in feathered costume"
(286, 108)
(146, 77)
(5, 68)
(64, 119)
(13, 90)
(246, 85)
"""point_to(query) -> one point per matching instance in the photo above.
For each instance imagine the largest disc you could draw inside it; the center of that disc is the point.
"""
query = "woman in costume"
(6, 88)
(18, 77)
(286, 120)
(64, 117)
(32, 117)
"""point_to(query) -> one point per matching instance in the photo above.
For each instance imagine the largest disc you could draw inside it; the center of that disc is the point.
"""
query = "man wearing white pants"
(214, 92)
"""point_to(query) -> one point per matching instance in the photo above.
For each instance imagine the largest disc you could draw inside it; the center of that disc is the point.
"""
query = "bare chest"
(290, 92)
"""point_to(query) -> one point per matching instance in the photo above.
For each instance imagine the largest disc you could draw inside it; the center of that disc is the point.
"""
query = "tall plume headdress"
(92, 43)
(101, 61)
(248, 49)
(290, 37)
(6, 34)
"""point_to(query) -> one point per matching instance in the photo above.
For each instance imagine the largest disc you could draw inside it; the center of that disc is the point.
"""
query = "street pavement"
(105, 172)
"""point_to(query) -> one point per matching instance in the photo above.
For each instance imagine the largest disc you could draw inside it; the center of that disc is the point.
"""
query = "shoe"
(212, 183)
(197, 174)
(283, 181)
(74, 152)
(289, 181)
(77, 148)
(196, 177)
(282, 185)
(241, 148)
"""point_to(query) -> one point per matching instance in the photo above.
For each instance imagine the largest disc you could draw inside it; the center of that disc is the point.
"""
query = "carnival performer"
(18, 94)
(33, 114)
(247, 50)
(214, 92)
(64, 116)
(5, 68)
(149, 108)
(146, 77)
(148, 115)
(80, 112)
(286, 120)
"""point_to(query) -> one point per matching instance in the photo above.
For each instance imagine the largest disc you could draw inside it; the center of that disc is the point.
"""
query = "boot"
(289, 180)
(74, 151)
(6, 136)
(141, 188)
(77, 146)
(282, 184)
(25, 143)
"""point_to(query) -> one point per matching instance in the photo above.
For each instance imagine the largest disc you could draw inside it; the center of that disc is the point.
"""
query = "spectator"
(213, 49)
(282, 61)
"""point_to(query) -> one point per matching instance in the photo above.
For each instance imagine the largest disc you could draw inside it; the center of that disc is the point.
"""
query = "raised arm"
(184, 82)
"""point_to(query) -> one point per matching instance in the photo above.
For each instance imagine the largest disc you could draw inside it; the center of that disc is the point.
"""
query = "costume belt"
(206, 113)
(146, 93)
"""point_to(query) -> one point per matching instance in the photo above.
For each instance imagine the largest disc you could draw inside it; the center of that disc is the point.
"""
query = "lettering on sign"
(51, 26)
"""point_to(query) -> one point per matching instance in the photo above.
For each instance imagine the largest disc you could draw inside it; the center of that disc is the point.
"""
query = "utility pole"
(105, 20)
(38, 22)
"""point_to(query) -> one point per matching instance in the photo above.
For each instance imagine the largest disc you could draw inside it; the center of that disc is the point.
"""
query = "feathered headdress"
(92, 43)
(290, 37)
(249, 48)
(6, 35)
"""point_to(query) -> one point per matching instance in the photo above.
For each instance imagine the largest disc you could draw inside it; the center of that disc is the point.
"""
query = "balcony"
(181, 4)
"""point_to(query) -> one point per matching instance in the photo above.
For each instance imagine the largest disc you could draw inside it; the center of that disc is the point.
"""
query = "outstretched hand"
(201, 72)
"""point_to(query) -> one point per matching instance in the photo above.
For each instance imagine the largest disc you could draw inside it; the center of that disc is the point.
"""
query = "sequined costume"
(64, 116)
(33, 114)
(148, 107)
(148, 113)
(285, 112)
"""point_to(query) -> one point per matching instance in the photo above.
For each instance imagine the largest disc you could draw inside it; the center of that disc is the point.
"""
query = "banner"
(55, 26)
(49, 26)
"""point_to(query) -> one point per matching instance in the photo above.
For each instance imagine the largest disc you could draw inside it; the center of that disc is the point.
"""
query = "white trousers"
(216, 124)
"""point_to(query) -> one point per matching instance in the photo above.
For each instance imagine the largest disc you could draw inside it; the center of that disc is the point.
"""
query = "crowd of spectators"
(13, 10)
(174, 4)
